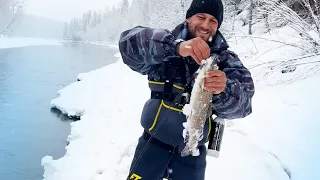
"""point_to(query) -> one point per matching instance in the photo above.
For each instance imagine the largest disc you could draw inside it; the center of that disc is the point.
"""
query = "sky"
(64, 10)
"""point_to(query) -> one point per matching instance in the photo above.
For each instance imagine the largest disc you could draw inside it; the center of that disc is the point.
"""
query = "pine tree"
(124, 8)
(89, 15)
(65, 31)
(94, 19)
(146, 11)
(84, 22)
(250, 16)
(10, 11)
(136, 14)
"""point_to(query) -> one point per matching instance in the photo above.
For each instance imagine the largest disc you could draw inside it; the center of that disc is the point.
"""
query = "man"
(170, 59)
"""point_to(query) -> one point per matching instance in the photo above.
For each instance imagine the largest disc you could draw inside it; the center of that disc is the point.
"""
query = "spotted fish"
(198, 110)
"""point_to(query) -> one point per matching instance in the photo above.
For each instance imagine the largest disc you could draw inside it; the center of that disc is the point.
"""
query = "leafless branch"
(315, 19)
(281, 42)
(286, 62)
(281, 11)
(10, 11)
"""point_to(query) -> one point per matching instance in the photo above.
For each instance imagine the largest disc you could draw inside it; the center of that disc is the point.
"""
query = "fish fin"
(185, 135)
(188, 151)
(202, 65)
(186, 95)
(195, 75)
(186, 110)
(185, 125)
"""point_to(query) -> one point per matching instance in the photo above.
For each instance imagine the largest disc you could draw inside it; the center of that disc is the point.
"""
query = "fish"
(198, 109)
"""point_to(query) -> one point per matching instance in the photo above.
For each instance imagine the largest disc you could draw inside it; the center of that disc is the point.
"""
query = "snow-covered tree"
(10, 11)
(250, 16)
(84, 22)
(94, 19)
(253, 14)
(65, 31)
(124, 8)
(166, 13)
(280, 11)
(136, 13)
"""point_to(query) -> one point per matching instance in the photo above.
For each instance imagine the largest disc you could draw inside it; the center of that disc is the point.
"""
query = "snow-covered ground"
(103, 43)
(278, 141)
(6, 42)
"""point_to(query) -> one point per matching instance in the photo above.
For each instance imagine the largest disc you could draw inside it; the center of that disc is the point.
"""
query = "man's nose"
(206, 24)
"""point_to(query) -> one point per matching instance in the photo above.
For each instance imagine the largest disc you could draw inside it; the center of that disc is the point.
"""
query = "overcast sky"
(64, 10)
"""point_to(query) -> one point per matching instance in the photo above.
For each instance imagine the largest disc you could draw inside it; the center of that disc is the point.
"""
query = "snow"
(6, 42)
(290, 113)
(102, 43)
(277, 141)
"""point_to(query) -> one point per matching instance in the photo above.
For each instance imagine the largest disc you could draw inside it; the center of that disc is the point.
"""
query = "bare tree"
(236, 11)
(10, 10)
(250, 16)
(314, 18)
(231, 11)
(280, 11)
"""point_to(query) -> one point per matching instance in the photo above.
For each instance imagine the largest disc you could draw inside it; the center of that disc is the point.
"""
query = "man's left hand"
(215, 81)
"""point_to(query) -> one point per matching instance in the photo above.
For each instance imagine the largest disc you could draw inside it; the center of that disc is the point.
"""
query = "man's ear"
(188, 20)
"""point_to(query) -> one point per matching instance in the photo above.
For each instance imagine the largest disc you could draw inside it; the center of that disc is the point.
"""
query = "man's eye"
(214, 22)
(200, 17)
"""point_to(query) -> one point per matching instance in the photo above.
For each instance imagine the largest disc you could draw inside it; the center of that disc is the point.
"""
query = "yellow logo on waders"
(135, 177)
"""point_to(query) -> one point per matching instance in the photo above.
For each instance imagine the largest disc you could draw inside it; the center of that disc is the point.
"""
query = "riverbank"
(274, 142)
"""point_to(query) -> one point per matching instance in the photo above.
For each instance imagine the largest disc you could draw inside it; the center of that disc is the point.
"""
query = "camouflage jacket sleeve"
(235, 101)
(143, 47)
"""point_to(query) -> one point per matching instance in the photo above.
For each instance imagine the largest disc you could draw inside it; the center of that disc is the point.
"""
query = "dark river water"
(29, 78)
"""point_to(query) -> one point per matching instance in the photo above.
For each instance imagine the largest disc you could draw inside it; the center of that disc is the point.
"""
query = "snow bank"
(278, 141)
(21, 42)
(285, 121)
(103, 43)
(102, 143)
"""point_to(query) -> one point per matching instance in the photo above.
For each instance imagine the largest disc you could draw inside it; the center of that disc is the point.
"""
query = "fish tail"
(186, 151)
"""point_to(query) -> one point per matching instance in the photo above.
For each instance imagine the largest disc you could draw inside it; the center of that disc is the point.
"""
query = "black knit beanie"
(212, 7)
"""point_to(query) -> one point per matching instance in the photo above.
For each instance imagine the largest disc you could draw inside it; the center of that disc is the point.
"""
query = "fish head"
(207, 65)
(212, 62)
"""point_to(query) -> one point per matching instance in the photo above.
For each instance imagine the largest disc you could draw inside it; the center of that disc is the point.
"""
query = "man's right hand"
(197, 48)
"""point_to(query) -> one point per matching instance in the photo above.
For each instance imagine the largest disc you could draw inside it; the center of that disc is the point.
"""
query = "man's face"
(202, 25)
